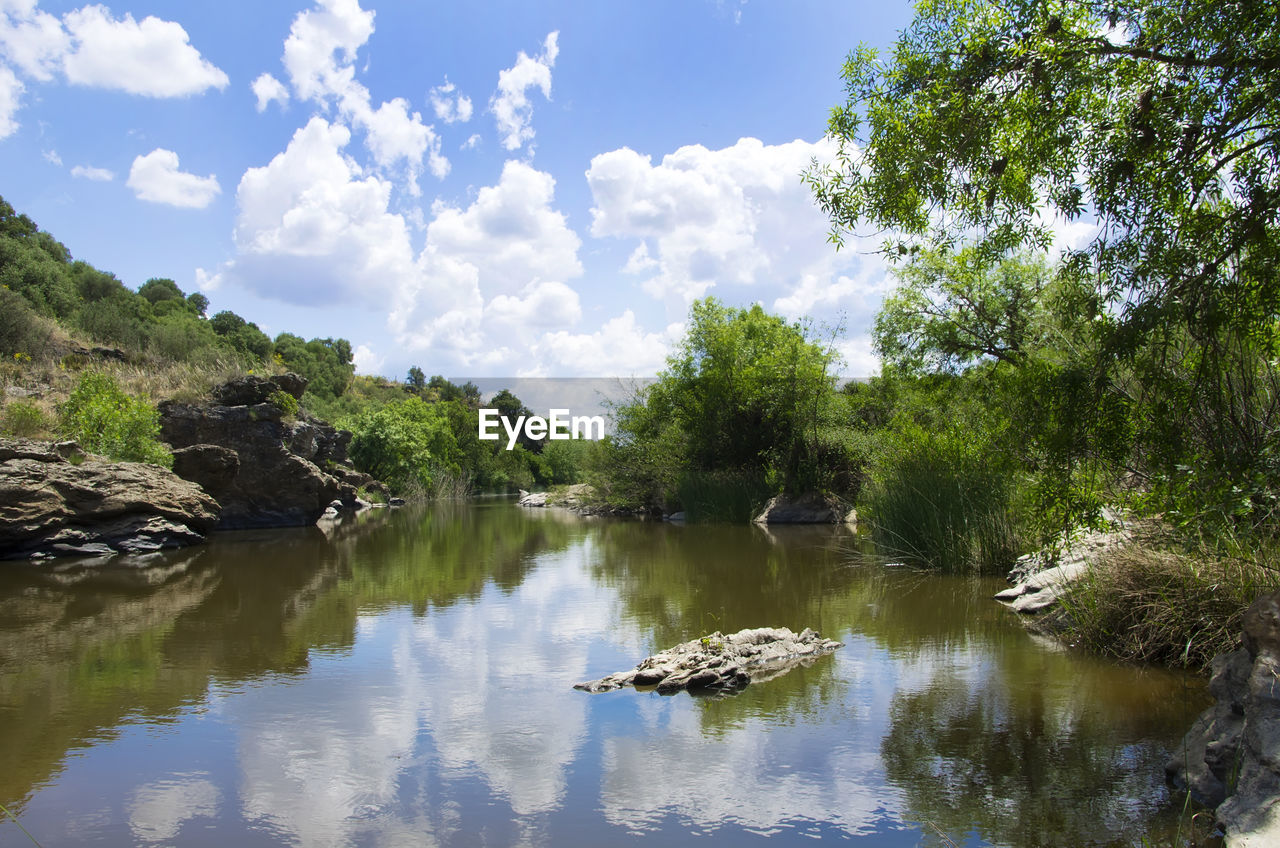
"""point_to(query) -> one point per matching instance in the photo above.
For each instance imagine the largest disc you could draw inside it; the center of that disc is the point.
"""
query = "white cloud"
(159, 809)
(319, 56)
(156, 178)
(735, 217)
(367, 361)
(450, 107)
(334, 26)
(52, 157)
(621, 347)
(492, 275)
(268, 89)
(510, 104)
(10, 99)
(312, 227)
(152, 57)
(472, 142)
(101, 175)
(32, 40)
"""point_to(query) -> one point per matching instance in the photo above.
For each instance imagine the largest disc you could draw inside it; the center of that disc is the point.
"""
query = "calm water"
(407, 679)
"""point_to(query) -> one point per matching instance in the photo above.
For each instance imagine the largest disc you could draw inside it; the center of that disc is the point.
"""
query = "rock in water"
(57, 501)
(719, 664)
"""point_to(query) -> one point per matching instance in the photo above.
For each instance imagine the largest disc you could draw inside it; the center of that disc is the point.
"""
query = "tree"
(416, 380)
(1161, 119)
(953, 309)
(1160, 122)
(159, 289)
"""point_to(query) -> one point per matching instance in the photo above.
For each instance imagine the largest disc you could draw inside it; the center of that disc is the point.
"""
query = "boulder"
(1230, 759)
(1041, 590)
(532, 498)
(266, 469)
(57, 501)
(719, 664)
(805, 509)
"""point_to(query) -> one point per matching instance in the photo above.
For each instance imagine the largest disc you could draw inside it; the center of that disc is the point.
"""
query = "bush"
(723, 496)
(105, 420)
(283, 401)
(23, 419)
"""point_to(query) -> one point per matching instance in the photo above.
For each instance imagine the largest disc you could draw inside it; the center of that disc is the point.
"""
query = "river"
(405, 679)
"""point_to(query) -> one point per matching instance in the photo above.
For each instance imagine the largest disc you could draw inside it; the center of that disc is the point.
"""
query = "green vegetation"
(420, 436)
(105, 420)
(746, 408)
(1138, 369)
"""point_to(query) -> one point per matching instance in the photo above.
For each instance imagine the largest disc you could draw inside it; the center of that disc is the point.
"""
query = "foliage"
(944, 497)
(283, 401)
(22, 419)
(1158, 120)
(105, 420)
(326, 363)
(241, 335)
(408, 445)
(746, 396)
(21, 329)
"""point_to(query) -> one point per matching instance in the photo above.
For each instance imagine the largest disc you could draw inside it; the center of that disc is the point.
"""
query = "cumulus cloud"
(156, 178)
(150, 57)
(736, 217)
(101, 175)
(366, 360)
(319, 57)
(450, 106)
(510, 104)
(621, 347)
(268, 89)
(492, 275)
(311, 226)
(33, 40)
(88, 47)
(10, 99)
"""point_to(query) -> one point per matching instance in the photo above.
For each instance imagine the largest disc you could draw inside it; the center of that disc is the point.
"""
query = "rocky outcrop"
(1230, 759)
(719, 664)
(805, 509)
(265, 467)
(57, 501)
(532, 498)
(1040, 578)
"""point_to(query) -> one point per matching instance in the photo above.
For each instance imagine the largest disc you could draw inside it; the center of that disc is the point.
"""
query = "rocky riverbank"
(56, 500)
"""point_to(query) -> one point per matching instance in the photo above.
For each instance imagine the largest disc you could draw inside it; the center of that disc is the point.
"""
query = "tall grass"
(1169, 602)
(941, 499)
(722, 496)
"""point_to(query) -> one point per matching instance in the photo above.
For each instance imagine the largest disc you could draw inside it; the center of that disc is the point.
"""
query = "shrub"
(283, 401)
(105, 420)
(407, 445)
(23, 419)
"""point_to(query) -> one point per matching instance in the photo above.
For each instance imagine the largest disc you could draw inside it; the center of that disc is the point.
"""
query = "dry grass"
(1162, 601)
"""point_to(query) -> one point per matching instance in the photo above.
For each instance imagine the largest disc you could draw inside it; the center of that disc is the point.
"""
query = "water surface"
(406, 679)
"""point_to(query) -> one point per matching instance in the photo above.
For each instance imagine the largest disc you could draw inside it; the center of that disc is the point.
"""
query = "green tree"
(1156, 120)
(416, 380)
(408, 445)
(241, 335)
(159, 289)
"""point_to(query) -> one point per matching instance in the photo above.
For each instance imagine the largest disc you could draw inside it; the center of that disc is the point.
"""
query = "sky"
(482, 189)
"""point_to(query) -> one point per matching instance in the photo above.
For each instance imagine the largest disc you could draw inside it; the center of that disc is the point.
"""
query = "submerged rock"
(57, 501)
(719, 664)
(1230, 759)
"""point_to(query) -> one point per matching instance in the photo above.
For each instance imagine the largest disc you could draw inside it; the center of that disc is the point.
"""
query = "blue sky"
(481, 189)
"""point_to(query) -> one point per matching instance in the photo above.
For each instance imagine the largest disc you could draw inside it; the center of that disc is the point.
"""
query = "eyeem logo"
(559, 426)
